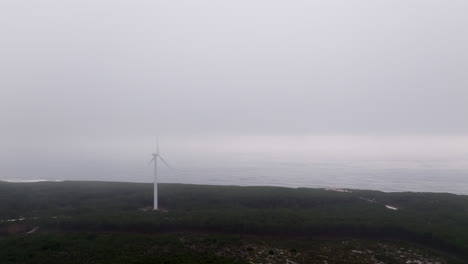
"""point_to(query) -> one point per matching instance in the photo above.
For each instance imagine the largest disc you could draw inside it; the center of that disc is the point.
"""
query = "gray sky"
(77, 73)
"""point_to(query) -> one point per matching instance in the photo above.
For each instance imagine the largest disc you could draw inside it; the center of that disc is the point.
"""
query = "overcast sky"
(92, 70)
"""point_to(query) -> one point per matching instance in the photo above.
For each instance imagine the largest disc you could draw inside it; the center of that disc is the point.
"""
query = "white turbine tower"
(155, 158)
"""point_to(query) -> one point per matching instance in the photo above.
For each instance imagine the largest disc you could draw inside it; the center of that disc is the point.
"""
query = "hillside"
(362, 219)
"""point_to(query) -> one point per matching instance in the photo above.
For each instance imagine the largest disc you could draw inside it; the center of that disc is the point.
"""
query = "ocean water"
(346, 175)
(328, 175)
(418, 164)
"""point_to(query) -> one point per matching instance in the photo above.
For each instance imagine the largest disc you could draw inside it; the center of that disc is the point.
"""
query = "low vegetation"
(59, 248)
(48, 210)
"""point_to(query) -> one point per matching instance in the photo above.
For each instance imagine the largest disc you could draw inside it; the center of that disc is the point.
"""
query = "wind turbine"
(155, 158)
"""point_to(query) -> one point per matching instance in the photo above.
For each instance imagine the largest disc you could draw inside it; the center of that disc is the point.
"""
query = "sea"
(390, 165)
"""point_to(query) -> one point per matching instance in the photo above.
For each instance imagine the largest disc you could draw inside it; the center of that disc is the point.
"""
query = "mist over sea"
(290, 174)
(338, 94)
(329, 175)
(423, 164)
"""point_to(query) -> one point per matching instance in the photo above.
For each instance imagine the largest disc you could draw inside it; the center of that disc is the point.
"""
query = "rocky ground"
(278, 251)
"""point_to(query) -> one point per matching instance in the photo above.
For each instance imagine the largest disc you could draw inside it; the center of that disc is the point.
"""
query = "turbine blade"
(151, 160)
(157, 145)
(161, 158)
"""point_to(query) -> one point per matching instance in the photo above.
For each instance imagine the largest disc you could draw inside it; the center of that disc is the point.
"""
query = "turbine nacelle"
(157, 156)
